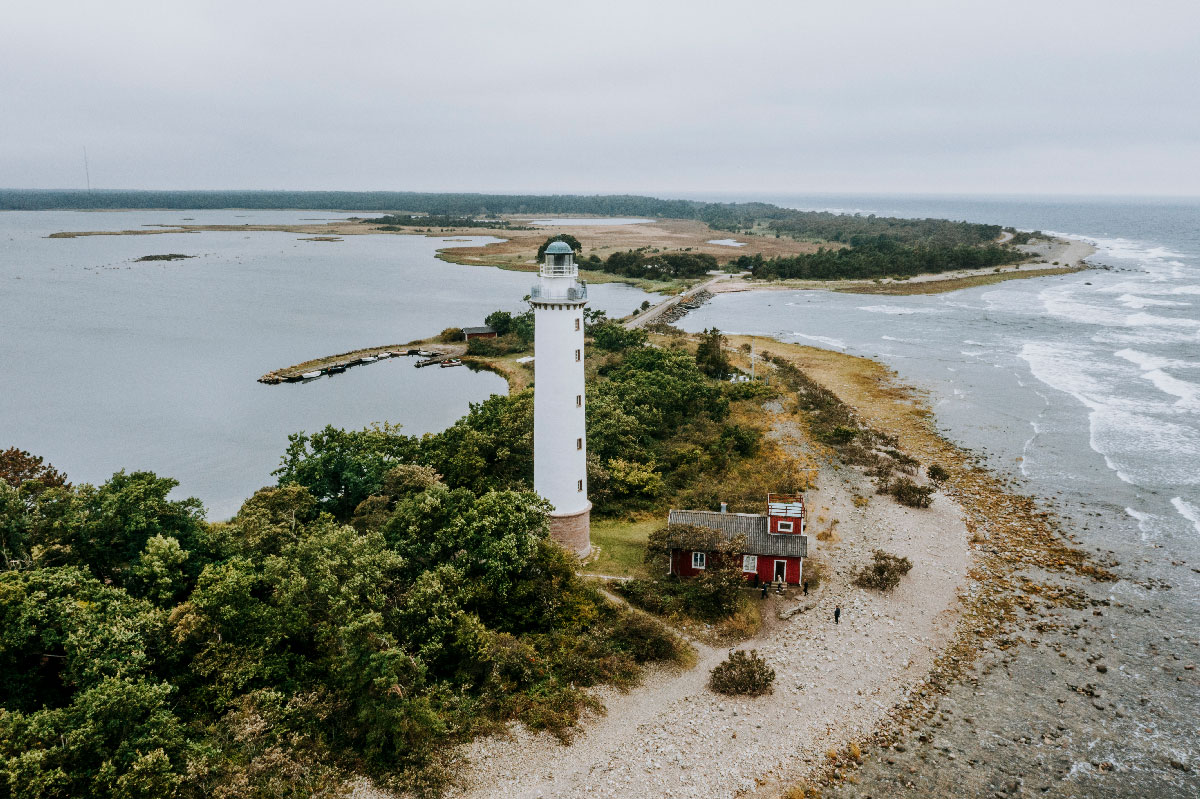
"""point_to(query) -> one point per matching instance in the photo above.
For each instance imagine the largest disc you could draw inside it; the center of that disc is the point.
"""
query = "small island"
(171, 256)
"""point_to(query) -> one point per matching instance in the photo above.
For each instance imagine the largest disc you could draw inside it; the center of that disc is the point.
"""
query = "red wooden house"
(775, 544)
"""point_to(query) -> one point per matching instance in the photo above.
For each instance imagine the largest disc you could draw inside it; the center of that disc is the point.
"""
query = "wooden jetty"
(337, 364)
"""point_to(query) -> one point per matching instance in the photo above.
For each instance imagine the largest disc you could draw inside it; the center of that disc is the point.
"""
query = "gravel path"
(672, 737)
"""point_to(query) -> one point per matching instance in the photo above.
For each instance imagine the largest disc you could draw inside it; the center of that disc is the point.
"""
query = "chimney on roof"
(724, 507)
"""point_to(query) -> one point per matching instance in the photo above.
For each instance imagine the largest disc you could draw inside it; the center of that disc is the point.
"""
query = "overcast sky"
(657, 97)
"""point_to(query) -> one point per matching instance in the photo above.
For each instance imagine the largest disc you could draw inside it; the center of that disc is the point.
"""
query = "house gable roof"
(751, 525)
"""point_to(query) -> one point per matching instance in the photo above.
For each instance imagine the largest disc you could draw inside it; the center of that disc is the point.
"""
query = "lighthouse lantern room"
(559, 429)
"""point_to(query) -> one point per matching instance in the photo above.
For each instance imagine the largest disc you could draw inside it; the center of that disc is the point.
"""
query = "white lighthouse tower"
(559, 431)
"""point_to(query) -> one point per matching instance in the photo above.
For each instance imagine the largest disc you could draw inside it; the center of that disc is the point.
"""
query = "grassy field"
(621, 544)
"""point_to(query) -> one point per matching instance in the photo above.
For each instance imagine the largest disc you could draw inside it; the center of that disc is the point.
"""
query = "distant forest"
(877, 259)
(762, 218)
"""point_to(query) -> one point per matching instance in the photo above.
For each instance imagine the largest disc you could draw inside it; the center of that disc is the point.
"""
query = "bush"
(450, 335)
(909, 493)
(613, 337)
(742, 674)
(884, 572)
(645, 639)
(937, 473)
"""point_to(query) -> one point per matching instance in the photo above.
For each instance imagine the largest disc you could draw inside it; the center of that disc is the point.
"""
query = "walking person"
(837, 614)
(806, 587)
(764, 589)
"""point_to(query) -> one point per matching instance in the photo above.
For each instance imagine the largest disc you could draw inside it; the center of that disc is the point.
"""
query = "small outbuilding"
(478, 332)
(775, 544)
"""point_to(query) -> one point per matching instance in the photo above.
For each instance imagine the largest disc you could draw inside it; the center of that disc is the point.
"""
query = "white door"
(781, 570)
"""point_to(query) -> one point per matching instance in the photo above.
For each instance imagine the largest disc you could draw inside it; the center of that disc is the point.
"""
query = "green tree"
(489, 448)
(106, 528)
(567, 237)
(500, 321)
(18, 466)
(613, 337)
(710, 354)
(341, 468)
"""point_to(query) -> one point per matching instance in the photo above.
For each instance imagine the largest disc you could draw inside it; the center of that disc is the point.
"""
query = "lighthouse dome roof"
(559, 248)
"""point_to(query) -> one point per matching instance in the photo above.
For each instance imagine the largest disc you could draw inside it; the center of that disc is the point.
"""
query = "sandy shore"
(671, 736)
(1057, 257)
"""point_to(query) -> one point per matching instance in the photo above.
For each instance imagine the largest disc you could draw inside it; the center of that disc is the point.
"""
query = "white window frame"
(699, 560)
(578, 357)
(576, 323)
(578, 485)
(750, 563)
(784, 527)
(578, 400)
(579, 443)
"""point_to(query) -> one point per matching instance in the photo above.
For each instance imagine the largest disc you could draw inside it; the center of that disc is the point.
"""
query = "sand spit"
(1060, 256)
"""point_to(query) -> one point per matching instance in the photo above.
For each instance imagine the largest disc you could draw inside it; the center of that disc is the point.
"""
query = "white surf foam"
(895, 310)
(1135, 436)
(1188, 511)
(1188, 393)
(1144, 520)
(826, 340)
(1146, 361)
(1138, 303)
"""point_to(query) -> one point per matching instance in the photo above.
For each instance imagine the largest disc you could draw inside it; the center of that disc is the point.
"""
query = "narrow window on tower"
(579, 443)
(576, 324)
(578, 400)
(577, 355)
(578, 485)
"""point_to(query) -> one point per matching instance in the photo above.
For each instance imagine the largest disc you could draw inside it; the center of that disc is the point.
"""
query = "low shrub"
(937, 473)
(450, 335)
(742, 674)
(884, 571)
(645, 639)
(909, 493)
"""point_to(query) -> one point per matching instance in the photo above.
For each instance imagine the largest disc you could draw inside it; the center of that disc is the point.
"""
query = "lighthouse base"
(573, 531)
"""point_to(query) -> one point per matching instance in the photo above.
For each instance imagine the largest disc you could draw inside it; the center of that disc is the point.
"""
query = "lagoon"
(109, 364)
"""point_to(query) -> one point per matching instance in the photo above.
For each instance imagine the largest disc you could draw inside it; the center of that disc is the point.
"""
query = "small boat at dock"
(368, 359)
(311, 375)
(451, 362)
(337, 368)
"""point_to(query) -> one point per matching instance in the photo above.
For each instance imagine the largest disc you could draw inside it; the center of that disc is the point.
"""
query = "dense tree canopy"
(389, 598)
(882, 258)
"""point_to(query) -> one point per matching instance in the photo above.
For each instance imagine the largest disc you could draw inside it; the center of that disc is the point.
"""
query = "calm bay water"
(1086, 388)
(109, 364)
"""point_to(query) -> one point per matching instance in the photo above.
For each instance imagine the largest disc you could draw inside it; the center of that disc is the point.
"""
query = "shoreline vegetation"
(679, 244)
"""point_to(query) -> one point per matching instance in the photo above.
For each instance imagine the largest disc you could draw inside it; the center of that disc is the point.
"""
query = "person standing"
(806, 587)
(837, 614)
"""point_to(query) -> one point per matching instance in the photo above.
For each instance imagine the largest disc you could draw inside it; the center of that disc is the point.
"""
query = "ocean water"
(109, 364)
(1085, 388)
(1087, 383)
